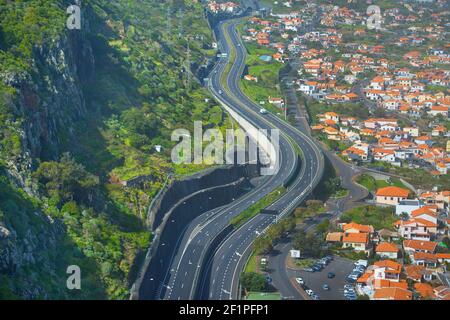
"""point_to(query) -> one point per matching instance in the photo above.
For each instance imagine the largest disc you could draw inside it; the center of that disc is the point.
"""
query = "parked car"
(331, 275)
(361, 263)
(317, 266)
(300, 280)
(315, 296)
(349, 291)
(309, 292)
(326, 287)
(348, 286)
(322, 262)
(308, 269)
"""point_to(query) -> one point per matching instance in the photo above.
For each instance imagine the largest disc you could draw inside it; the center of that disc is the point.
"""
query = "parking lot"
(315, 280)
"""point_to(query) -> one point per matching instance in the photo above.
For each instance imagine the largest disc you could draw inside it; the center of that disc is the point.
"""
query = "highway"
(183, 277)
(222, 278)
(180, 281)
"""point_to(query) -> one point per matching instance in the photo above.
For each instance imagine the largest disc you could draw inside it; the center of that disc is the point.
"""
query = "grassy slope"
(138, 64)
(373, 185)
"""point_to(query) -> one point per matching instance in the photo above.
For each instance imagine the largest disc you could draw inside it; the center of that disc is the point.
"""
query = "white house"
(387, 250)
(407, 206)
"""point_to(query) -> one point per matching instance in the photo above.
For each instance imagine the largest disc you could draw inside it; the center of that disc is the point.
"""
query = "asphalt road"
(181, 278)
(221, 281)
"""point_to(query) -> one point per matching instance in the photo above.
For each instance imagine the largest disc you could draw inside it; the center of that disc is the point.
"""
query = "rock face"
(49, 102)
(50, 97)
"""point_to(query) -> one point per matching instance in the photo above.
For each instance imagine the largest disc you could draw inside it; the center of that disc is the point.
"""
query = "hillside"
(80, 111)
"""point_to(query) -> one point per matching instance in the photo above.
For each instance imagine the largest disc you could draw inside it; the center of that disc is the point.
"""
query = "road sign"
(295, 254)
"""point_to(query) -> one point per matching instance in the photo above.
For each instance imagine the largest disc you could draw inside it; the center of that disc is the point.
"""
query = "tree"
(252, 281)
(262, 245)
(323, 226)
(66, 180)
(308, 243)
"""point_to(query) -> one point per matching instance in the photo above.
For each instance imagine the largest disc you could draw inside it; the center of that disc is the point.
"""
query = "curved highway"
(221, 280)
(180, 281)
(183, 280)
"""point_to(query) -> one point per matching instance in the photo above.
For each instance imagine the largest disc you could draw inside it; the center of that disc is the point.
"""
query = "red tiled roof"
(355, 238)
(393, 192)
(393, 294)
(420, 245)
(386, 247)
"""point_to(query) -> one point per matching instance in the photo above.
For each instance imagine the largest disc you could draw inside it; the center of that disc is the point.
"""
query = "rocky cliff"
(80, 106)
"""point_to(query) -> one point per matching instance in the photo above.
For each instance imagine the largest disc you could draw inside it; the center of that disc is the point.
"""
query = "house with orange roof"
(440, 199)
(332, 116)
(426, 259)
(411, 246)
(249, 77)
(391, 195)
(276, 101)
(374, 123)
(425, 213)
(417, 229)
(357, 241)
(425, 290)
(438, 110)
(443, 257)
(387, 250)
(332, 133)
(417, 273)
(387, 270)
(278, 57)
(356, 153)
(354, 227)
(334, 236)
(383, 154)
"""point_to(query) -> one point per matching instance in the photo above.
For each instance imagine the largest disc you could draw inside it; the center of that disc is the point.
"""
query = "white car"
(349, 286)
(309, 292)
(300, 280)
(262, 111)
(220, 91)
(349, 291)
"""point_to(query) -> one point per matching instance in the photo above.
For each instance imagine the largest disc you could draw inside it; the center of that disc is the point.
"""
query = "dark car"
(331, 275)
(317, 267)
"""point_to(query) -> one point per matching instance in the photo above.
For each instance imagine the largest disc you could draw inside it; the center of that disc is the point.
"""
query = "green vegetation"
(310, 245)
(267, 74)
(313, 207)
(304, 263)
(256, 208)
(137, 87)
(418, 177)
(378, 217)
(373, 185)
(330, 184)
(252, 262)
(263, 296)
(356, 110)
(253, 281)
